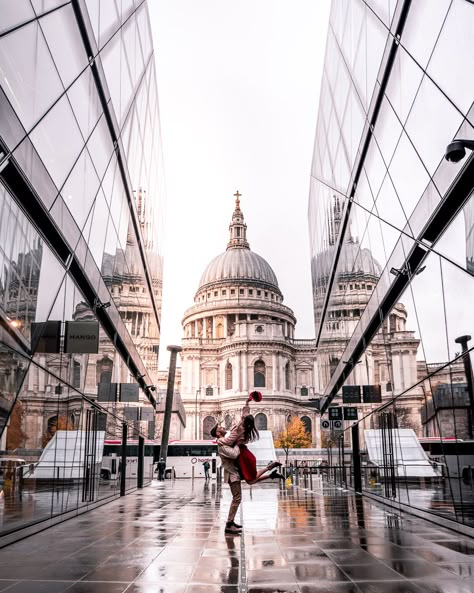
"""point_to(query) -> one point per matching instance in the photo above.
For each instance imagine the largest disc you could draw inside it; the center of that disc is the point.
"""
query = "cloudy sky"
(238, 86)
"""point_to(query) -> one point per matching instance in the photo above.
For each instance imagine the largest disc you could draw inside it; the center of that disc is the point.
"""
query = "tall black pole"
(141, 459)
(463, 340)
(165, 435)
(356, 458)
(123, 462)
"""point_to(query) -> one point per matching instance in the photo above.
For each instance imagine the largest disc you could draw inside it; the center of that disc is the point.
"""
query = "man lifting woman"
(239, 462)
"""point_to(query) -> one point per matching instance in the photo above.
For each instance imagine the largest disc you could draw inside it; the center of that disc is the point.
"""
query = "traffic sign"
(350, 414)
(325, 425)
(337, 425)
(351, 394)
(335, 413)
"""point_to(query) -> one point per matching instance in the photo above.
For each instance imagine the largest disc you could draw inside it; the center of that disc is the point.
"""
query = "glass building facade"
(81, 192)
(391, 229)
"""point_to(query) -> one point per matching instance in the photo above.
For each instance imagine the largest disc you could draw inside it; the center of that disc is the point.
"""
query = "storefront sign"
(128, 392)
(107, 392)
(81, 337)
(147, 414)
(46, 337)
(131, 414)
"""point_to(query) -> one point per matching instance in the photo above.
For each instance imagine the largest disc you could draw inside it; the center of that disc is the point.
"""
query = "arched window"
(207, 424)
(106, 376)
(76, 374)
(261, 422)
(228, 376)
(52, 424)
(219, 330)
(228, 422)
(333, 362)
(259, 374)
(287, 375)
(307, 424)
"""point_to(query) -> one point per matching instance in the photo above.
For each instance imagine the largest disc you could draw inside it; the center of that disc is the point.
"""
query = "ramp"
(263, 449)
(410, 460)
(64, 457)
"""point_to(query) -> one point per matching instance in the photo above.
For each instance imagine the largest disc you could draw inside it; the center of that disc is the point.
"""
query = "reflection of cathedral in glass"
(390, 359)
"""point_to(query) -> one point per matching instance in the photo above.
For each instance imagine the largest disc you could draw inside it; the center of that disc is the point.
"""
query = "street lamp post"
(196, 415)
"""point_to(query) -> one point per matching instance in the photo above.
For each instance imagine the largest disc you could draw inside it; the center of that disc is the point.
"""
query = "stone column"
(214, 336)
(245, 371)
(235, 372)
(407, 369)
(397, 372)
(315, 376)
(274, 373)
(239, 371)
(197, 373)
(225, 326)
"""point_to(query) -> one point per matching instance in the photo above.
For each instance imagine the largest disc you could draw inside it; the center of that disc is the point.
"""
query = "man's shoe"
(273, 464)
(276, 474)
(236, 525)
(232, 530)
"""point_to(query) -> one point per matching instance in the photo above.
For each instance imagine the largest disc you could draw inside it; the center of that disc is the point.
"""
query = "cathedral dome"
(239, 264)
(354, 260)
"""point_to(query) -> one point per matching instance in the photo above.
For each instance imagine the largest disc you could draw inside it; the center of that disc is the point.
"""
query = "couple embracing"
(239, 462)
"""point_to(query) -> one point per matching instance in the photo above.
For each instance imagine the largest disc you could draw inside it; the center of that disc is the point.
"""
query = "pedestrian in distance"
(206, 466)
(161, 469)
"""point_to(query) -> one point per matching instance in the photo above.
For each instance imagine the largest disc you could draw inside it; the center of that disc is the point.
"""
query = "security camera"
(151, 387)
(456, 150)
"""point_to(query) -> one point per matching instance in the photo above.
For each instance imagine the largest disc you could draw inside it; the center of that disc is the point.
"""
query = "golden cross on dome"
(237, 201)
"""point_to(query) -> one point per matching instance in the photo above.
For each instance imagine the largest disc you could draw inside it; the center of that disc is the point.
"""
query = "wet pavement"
(169, 538)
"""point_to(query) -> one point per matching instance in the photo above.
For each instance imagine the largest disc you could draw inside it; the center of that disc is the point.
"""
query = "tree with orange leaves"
(293, 437)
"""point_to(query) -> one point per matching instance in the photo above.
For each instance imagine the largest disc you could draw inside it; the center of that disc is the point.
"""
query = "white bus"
(184, 460)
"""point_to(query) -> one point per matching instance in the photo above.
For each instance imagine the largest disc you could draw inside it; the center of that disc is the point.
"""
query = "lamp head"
(455, 151)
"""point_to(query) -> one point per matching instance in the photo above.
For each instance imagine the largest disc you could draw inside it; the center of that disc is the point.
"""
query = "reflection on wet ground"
(169, 538)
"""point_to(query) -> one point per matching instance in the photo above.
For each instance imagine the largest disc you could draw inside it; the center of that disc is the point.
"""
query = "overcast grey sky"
(238, 86)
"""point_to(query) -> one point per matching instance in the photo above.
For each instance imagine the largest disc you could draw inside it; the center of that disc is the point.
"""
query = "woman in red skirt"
(235, 446)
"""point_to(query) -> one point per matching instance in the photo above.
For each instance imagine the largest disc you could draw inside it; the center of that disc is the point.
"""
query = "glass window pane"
(430, 140)
(81, 188)
(430, 15)
(68, 50)
(57, 149)
(25, 66)
(85, 102)
(451, 62)
(408, 174)
(15, 13)
(403, 84)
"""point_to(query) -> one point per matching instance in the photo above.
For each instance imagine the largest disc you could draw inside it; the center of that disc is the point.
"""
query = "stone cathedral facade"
(239, 336)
